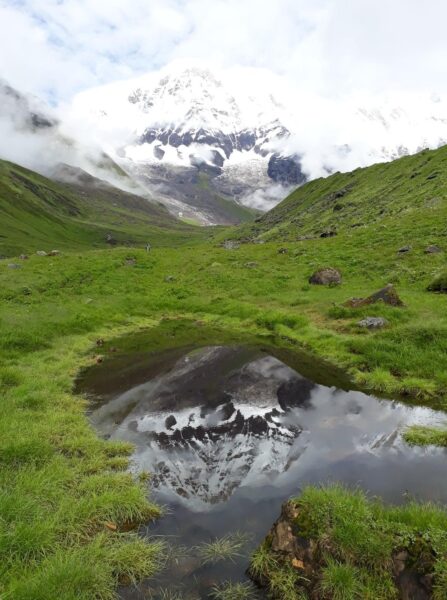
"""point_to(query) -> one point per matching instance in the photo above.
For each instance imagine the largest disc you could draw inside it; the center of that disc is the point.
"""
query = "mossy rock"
(439, 283)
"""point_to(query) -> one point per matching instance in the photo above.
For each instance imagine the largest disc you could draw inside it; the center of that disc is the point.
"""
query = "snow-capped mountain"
(213, 144)
(191, 133)
(194, 134)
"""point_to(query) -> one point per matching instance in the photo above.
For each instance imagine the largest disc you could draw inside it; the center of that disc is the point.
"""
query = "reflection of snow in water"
(258, 424)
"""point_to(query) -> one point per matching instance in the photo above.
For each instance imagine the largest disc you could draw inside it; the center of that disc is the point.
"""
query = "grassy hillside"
(37, 213)
(399, 199)
(66, 498)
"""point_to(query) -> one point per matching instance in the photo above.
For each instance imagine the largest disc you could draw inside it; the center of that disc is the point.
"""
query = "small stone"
(327, 276)
(373, 323)
(231, 245)
(404, 249)
(23, 257)
(169, 279)
(283, 251)
(215, 265)
(14, 266)
(54, 253)
(250, 265)
(328, 234)
(432, 249)
(41, 253)
(130, 262)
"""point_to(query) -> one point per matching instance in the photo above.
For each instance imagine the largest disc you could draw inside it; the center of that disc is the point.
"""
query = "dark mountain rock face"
(25, 112)
(286, 169)
(226, 143)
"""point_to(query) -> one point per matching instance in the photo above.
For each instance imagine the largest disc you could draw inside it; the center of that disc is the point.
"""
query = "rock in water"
(388, 295)
(289, 544)
(327, 276)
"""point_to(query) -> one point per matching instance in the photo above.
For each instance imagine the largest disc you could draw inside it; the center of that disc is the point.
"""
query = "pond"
(229, 432)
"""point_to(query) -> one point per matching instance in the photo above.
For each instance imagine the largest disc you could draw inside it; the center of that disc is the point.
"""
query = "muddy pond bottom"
(228, 434)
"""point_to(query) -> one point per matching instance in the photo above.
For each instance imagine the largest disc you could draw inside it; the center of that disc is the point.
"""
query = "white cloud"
(326, 57)
(331, 46)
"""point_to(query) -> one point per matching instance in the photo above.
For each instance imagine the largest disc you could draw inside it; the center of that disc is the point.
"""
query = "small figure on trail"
(148, 247)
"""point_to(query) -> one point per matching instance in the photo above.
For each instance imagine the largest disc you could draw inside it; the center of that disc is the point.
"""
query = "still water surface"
(228, 433)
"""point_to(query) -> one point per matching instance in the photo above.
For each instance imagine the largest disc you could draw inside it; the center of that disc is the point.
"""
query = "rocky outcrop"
(291, 550)
(286, 169)
(326, 276)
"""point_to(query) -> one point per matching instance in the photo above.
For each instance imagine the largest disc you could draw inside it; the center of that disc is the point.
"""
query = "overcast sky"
(56, 48)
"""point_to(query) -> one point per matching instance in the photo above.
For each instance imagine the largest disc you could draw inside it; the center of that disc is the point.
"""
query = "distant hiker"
(148, 247)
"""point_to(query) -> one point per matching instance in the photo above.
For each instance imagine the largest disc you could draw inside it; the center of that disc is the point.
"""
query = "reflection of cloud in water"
(227, 420)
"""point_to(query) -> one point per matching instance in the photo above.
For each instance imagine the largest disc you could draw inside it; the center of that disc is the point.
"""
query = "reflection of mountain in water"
(218, 419)
(224, 418)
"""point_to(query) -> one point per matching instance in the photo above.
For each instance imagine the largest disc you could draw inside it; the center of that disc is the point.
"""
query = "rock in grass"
(169, 279)
(14, 266)
(373, 323)
(231, 245)
(251, 265)
(327, 276)
(283, 251)
(432, 249)
(404, 250)
(387, 295)
(54, 253)
(23, 257)
(41, 253)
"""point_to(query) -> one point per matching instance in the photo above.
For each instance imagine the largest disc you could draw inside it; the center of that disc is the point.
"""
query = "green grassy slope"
(399, 198)
(60, 485)
(37, 213)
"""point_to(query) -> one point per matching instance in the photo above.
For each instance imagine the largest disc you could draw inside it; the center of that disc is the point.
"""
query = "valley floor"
(67, 502)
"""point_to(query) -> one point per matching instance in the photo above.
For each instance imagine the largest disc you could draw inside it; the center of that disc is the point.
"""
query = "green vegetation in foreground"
(63, 491)
(356, 538)
(228, 547)
(39, 214)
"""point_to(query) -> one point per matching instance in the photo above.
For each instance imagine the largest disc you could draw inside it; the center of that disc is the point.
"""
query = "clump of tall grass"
(226, 548)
